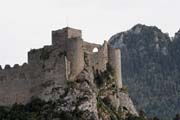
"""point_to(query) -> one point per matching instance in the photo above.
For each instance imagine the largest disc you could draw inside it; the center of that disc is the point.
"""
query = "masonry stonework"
(54, 65)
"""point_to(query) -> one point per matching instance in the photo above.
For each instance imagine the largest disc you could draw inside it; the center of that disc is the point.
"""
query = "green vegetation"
(105, 110)
(37, 110)
(177, 117)
(151, 69)
(124, 89)
(106, 77)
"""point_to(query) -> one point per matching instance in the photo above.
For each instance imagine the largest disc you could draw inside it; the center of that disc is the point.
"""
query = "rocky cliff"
(92, 96)
(151, 69)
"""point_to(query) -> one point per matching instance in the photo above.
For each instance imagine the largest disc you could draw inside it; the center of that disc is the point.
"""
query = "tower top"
(63, 34)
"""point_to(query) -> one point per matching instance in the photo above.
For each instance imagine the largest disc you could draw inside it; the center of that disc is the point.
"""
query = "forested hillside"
(151, 69)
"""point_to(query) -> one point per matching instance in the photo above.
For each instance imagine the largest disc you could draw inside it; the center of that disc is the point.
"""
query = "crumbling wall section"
(88, 47)
(97, 60)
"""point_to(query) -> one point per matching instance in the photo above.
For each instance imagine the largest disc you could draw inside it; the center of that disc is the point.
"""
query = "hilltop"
(66, 80)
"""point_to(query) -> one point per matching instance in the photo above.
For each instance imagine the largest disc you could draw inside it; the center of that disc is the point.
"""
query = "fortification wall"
(59, 38)
(14, 85)
(103, 57)
(20, 83)
(75, 55)
(114, 59)
(88, 47)
(97, 60)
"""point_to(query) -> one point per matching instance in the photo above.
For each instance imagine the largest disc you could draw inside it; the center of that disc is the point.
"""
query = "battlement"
(54, 65)
(16, 67)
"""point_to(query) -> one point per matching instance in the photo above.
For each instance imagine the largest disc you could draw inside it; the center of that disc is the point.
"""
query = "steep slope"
(150, 69)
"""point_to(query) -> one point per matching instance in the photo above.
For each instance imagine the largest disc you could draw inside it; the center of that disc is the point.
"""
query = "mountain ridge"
(150, 68)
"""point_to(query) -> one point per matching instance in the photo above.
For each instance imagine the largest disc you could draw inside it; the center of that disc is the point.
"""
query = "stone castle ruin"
(56, 64)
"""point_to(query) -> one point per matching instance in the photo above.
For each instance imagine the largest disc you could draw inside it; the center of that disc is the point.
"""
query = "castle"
(56, 64)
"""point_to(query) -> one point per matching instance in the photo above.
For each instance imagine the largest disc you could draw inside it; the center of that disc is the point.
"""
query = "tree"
(177, 117)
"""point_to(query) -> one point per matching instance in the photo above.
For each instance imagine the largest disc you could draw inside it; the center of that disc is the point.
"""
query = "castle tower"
(70, 41)
(114, 58)
(75, 55)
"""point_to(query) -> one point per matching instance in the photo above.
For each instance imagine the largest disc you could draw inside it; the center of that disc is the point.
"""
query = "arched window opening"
(95, 50)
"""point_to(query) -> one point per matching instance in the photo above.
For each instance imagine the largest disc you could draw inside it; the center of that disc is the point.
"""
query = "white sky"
(26, 24)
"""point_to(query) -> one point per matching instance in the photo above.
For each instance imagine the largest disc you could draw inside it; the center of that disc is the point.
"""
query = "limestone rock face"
(83, 98)
(151, 69)
(126, 103)
(74, 97)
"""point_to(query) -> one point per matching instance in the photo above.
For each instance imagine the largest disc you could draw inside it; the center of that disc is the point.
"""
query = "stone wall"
(14, 85)
(99, 59)
(20, 83)
(88, 47)
(59, 38)
(105, 54)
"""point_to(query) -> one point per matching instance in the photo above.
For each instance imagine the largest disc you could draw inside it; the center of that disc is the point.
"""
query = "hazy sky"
(26, 24)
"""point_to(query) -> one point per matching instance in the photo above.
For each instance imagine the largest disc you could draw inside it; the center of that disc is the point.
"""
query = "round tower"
(114, 59)
(75, 54)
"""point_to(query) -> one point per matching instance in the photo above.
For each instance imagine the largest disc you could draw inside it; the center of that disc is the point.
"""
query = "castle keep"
(56, 64)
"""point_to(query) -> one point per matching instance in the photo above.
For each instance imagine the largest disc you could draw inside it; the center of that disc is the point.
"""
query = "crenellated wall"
(20, 83)
(14, 85)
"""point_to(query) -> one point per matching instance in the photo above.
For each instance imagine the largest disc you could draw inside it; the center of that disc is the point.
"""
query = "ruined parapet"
(104, 55)
(88, 47)
(75, 55)
(7, 67)
(114, 59)
(38, 56)
(96, 59)
(16, 66)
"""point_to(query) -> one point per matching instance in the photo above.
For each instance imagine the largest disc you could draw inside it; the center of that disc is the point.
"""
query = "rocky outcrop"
(150, 69)
(126, 103)
(91, 96)
(92, 101)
